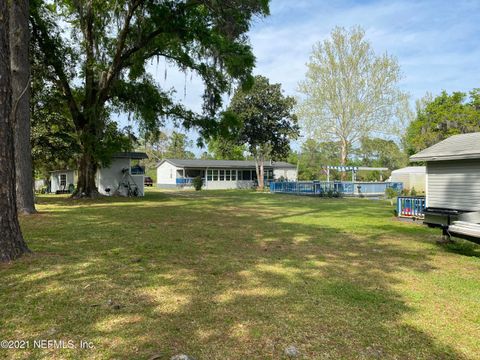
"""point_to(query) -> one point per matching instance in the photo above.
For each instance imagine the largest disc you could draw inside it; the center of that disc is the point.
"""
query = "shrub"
(330, 193)
(413, 192)
(337, 194)
(197, 183)
(391, 193)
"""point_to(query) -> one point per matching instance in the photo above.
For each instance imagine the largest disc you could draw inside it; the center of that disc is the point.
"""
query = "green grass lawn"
(238, 275)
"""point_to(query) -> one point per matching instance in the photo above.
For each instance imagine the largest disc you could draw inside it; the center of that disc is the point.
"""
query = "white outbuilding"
(121, 177)
(412, 177)
(62, 181)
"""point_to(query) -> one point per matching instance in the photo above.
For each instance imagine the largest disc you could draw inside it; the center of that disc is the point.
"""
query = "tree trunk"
(12, 244)
(86, 186)
(257, 168)
(20, 68)
(87, 165)
(261, 172)
(343, 156)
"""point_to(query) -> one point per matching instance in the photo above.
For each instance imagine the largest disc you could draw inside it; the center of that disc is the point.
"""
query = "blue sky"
(437, 43)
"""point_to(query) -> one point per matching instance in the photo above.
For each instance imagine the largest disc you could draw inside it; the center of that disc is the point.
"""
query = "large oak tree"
(102, 67)
(441, 117)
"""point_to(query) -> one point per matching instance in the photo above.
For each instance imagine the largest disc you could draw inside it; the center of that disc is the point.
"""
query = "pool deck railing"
(343, 187)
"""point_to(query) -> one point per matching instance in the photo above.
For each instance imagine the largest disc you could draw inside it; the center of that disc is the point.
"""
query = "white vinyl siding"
(454, 184)
(110, 177)
(285, 174)
(61, 180)
(167, 174)
(225, 179)
(410, 181)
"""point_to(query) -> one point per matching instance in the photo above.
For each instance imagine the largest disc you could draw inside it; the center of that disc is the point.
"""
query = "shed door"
(454, 184)
(62, 181)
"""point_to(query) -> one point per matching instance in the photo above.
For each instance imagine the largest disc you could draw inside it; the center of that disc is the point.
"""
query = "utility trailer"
(457, 223)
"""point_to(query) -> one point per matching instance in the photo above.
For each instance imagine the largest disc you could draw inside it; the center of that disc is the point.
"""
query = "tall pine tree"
(20, 67)
(12, 244)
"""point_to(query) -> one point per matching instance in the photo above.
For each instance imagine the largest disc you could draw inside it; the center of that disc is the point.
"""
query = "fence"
(410, 206)
(184, 181)
(344, 188)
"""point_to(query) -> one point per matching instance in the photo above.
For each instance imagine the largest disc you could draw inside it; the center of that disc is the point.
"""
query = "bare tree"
(12, 244)
(350, 93)
(20, 67)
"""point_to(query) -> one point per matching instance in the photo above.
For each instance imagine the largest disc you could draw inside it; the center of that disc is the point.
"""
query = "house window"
(234, 175)
(246, 175)
(222, 175)
(209, 175)
(63, 180)
(215, 175)
(227, 175)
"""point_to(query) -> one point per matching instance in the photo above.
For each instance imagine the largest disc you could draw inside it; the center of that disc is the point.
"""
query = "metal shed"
(412, 177)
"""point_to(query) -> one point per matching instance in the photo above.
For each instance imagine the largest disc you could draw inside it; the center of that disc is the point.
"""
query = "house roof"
(119, 155)
(238, 164)
(62, 170)
(130, 155)
(456, 147)
(411, 170)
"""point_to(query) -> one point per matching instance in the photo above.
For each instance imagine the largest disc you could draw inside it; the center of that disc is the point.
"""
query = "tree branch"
(17, 100)
(47, 45)
(115, 66)
(89, 72)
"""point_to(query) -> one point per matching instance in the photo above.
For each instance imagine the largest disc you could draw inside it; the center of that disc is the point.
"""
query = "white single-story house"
(220, 174)
(120, 176)
(411, 177)
(453, 184)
